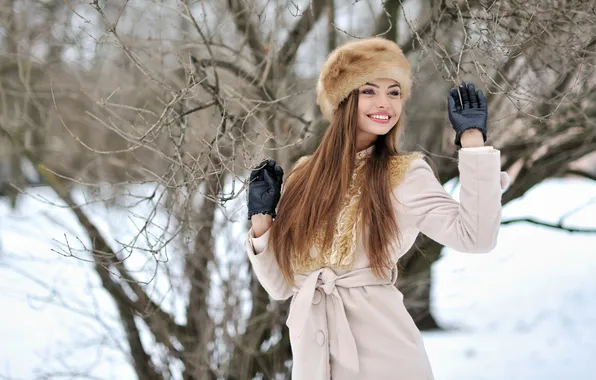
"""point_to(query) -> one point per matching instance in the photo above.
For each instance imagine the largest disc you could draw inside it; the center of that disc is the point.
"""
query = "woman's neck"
(365, 140)
(363, 145)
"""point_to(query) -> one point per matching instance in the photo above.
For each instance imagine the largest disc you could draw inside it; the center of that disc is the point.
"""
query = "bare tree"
(180, 99)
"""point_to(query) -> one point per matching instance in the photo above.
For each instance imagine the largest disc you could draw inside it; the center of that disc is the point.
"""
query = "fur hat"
(355, 63)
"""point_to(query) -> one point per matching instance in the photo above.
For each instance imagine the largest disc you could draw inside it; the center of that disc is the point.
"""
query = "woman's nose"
(383, 101)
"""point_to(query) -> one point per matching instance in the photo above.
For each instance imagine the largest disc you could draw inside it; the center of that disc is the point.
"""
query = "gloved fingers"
(464, 95)
(256, 171)
(279, 173)
(275, 171)
(456, 100)
(269, 178)
(472, 95)
(481, 100)
(451, 104)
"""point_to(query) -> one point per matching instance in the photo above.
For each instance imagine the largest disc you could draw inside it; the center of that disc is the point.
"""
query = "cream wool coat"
(347, 324)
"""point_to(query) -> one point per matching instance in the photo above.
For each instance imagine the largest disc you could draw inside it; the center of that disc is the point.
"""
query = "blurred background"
(128, 127)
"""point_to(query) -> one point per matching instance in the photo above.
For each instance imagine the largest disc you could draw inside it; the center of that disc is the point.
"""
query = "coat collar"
(365, 152)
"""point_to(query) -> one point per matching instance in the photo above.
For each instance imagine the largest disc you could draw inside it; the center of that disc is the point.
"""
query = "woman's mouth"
(379, 118)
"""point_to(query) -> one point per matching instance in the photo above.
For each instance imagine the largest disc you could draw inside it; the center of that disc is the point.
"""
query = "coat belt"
(326, 280)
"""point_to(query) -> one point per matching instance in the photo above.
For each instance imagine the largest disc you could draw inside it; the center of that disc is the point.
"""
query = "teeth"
(385, 117)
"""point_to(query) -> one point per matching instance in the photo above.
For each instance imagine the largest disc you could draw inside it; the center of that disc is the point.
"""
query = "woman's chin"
(379, 129)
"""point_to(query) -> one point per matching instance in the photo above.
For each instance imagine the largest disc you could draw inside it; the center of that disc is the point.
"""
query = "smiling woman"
(354, 207)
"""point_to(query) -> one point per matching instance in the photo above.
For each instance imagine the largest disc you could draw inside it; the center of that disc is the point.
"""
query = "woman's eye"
(395, 93)
(368, 91)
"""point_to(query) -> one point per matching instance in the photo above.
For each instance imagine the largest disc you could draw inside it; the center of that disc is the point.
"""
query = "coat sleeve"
(471, 225)
(264, 265)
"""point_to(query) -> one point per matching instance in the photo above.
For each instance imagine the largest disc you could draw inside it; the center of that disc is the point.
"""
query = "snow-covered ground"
(525, 311)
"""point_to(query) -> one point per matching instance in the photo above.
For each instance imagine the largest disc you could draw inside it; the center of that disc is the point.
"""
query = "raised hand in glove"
(469, 113)
(264, 189)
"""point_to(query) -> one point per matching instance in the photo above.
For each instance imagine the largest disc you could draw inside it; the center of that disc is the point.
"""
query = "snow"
(524, 311)
(527, 310)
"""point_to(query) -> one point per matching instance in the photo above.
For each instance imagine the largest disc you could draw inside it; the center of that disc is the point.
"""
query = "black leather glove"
(472, 114)
(264, 189)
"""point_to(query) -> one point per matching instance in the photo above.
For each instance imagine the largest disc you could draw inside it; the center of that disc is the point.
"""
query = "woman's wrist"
(260, 224)
(472, 138)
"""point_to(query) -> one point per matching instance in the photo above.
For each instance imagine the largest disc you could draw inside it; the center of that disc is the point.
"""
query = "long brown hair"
(314, 191)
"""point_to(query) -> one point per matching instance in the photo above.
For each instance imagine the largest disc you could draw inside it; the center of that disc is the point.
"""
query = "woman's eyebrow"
(374, 85)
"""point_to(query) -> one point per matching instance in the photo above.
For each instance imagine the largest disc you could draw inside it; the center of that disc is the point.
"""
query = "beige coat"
(347, 324)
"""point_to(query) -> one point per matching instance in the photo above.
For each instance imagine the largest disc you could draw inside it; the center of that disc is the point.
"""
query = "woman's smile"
(380, 117)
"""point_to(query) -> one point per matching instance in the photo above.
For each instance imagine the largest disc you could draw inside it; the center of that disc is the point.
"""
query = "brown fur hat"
(355, 63)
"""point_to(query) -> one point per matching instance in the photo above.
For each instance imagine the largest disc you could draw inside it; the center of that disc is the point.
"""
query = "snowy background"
(525, 311)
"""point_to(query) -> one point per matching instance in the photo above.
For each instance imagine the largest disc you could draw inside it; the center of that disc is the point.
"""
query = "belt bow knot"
(328, 281)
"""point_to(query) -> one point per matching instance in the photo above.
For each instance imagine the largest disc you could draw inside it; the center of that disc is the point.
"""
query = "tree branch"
(557, 226)
(104, 259)
(241, 15)
(553, 163)
(192, 110)
(297, 35)
(141, 361)
(421, 33)
(236, 70)
(331, 32)
(111, 27)
(199, 326)
(581, 173)
(227, 65)
(387, 21)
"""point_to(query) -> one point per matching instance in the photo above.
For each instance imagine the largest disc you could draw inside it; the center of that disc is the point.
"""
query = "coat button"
(316, 299)
(320, 338)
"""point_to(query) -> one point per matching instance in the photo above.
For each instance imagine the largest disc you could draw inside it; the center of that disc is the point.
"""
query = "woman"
(354, 207)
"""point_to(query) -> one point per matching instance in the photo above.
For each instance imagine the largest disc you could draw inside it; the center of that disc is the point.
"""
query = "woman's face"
(379, 108)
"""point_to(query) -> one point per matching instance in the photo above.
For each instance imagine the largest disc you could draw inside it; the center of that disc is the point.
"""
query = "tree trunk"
(415, 283)
(200, 326)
